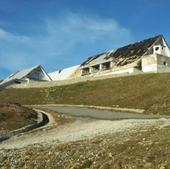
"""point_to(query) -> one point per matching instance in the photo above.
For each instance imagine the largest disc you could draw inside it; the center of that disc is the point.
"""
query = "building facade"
(150, 55)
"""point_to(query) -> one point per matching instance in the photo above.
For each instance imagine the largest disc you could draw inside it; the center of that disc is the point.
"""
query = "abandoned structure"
(150, 55)
(36, 73)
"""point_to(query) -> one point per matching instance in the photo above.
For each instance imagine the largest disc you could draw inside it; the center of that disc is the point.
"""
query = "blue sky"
(62, 33)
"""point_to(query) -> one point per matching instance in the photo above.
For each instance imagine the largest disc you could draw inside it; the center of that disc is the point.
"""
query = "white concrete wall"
(123, 71)
(156, 68)
(162, 68)
(149, 63)
(166, 49)
(150, 68)
(155, 63)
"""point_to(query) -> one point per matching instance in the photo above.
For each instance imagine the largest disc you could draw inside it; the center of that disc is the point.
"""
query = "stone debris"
(120, 146)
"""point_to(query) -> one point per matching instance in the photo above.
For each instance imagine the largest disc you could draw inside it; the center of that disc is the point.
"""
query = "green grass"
(150, 92)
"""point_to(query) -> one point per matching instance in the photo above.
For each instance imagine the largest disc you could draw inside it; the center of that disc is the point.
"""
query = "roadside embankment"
(41, 121)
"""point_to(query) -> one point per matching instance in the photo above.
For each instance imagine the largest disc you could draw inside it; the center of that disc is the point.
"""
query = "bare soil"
(142, 145)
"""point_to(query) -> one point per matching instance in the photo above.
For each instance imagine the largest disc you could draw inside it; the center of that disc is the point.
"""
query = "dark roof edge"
(157, 36)
(160, 36)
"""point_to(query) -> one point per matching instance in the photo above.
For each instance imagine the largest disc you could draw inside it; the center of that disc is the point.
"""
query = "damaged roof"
(135, 50)
(90, 59)
(98, 59)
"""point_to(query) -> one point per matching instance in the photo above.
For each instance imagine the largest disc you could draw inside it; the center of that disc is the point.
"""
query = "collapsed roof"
(127, 53)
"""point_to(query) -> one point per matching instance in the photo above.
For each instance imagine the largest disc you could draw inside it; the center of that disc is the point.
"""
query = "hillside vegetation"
(14, 116)
(150, 92)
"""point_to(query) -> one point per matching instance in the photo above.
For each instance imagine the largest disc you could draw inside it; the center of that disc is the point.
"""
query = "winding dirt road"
(92, 123)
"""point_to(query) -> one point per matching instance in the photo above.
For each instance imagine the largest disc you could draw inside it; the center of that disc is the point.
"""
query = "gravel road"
(101, 122)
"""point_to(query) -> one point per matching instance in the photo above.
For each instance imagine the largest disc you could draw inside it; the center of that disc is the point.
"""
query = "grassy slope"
(150, 92)
(13, 116)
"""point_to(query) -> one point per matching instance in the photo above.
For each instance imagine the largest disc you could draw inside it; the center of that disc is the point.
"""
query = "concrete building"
(26, 76)
(150, 55)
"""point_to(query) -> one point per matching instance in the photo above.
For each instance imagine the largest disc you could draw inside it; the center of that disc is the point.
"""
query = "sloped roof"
(98, 59)
(137, 49)
(64, 73)
(90, 59)
(21, 74)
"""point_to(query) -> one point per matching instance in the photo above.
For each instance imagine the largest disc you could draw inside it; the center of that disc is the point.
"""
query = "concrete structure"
(26, 76)
(150, 55)
(156, 63)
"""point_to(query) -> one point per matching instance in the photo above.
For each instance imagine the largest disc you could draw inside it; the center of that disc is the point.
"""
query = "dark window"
(165, 63)
(17, 82)
(157, 48)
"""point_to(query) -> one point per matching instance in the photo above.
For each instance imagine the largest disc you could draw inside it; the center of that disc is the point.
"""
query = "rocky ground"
(78, 143)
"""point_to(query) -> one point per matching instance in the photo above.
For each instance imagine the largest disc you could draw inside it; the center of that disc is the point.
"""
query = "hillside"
(14, 116)
(149, 91)
(79, 143)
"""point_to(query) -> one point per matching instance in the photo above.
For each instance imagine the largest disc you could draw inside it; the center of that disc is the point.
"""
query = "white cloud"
(65, 41)
(2, 33)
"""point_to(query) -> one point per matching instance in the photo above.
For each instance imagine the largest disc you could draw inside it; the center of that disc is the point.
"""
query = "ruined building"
(150, 55)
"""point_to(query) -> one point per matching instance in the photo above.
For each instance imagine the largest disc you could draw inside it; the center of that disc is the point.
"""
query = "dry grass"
(14, 116)
(150, 92)
(139, 150)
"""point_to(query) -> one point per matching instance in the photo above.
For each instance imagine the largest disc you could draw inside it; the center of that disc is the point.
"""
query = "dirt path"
(80, 111)
(82, 128)
(92, 123)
